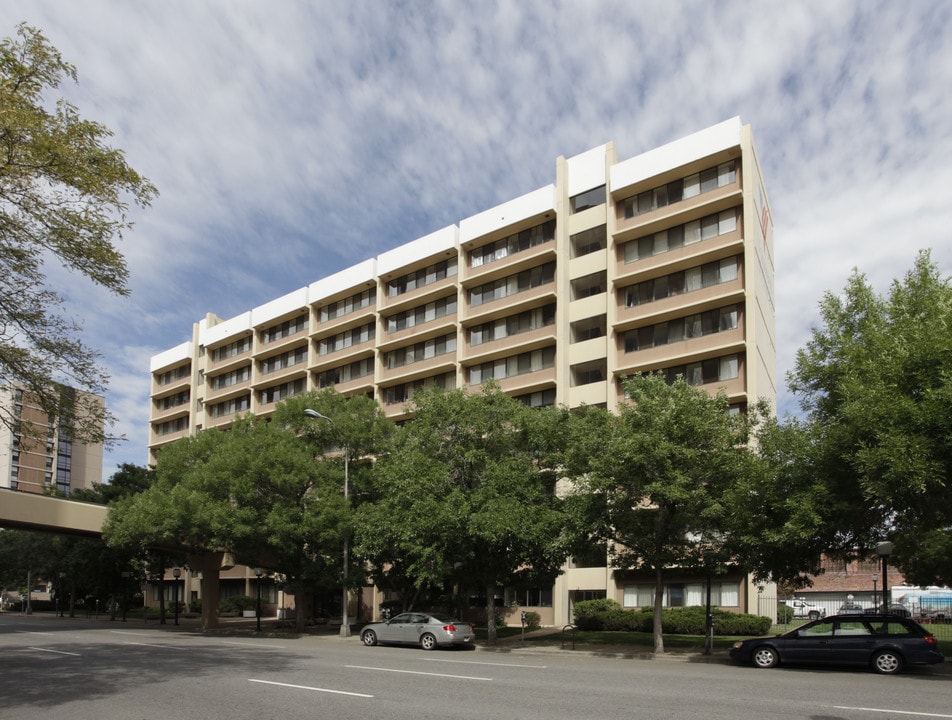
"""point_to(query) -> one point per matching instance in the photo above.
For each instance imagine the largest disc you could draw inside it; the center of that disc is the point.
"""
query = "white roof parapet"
(586, 170)
(226, 328)
(354, 277)
(529, 205)
(171, 356)
(419, 249)
(280, 306)
(679, 152)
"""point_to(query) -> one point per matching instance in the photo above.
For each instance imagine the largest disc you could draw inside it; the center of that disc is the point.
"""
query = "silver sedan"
(424, 629)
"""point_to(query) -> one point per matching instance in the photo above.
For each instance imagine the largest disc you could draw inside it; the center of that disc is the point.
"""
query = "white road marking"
(254, 645)
(477, 662)
(58, 652)
(130, 632)
(893, 712)
(164, 647)
(417, 672)
(308, 687)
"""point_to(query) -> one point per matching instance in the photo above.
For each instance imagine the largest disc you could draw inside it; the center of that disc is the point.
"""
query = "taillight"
(449, 628)
(930, 640)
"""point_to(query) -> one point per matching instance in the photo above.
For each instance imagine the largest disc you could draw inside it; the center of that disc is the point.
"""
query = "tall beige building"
(37, 453)
(661, 262)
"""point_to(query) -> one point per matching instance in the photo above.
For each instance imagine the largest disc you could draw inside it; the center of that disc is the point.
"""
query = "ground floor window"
(723, 594)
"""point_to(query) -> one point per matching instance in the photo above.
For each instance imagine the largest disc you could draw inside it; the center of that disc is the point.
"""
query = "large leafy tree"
(64, 194)
(466, 497)
(264, 490)
(650, 480)
(875, 383)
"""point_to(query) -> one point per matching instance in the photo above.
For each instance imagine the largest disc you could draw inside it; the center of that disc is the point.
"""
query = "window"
(420, 351)
(219, 382)
(232, 349)
(512, 325)
(285, 329)
(348, 338)
(171, 376)
(682, 189)
(346, 373)
(230, 407)
(707, 371)
(283, 361)
(421, 278)
(356, 302)
(589, 241)
(587, 199)
(172, 426)
(685, 281)
(512, 244)
(403, 393)
(172, 401)
(589, 329)
(512, 366)
(425, 313)
(590, 285)
(512, 285)
(680, 329)
(281, 392)
(695, 231)
(544, 398)
(588, 373)
(723, 594)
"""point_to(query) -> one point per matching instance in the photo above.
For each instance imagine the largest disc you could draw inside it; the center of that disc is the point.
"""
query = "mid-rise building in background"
(661, 262)
(39, 453)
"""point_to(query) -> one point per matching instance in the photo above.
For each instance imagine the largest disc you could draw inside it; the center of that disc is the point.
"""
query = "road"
(88, 669)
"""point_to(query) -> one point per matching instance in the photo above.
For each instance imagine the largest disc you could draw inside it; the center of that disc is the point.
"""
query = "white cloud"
(333, 132)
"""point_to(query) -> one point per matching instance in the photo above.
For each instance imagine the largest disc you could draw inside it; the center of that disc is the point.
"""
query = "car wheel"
(428, 641)
(368, 638)
(887, 662)
(814, 615)
(765, 657)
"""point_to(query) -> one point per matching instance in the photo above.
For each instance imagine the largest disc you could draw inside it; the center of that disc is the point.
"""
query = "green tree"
(875, 383)
(649, 481)
(263, 490)
(63, 194)
(466, 497)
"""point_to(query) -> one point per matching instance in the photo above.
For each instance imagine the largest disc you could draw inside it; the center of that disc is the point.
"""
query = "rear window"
(891, 627)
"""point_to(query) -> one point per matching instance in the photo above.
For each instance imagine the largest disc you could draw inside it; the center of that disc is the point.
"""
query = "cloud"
(290, 140)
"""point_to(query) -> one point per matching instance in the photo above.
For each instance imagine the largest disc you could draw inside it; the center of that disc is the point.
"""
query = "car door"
(810, 644)
(395, 629)
(853, 642)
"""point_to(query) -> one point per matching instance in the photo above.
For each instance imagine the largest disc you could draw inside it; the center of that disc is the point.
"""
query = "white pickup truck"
(804, 609)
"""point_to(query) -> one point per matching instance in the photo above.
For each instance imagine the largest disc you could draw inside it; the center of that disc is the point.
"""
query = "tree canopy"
(875, 383)
(64, 195)
(650, 480)
(466, 497)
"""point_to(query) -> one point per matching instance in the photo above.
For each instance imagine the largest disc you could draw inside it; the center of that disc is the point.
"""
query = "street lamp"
(345, 624)
(59, 593)
(125, 592)
(884, 550)
(258, 572)
(875, 580)
(176, 573)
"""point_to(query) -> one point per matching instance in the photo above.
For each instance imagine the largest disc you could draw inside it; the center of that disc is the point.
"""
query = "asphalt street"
(94, 669)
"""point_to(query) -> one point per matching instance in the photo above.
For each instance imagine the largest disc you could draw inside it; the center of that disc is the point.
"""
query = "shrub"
(533, 620)
(784, 614)
(238, 603)
(609, 615)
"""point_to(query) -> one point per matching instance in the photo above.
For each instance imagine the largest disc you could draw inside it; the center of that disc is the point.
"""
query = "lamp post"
(258, 572)
(345, 624)
(59, 593)
(125, 592)
(875, 580)
(884, 550)
(176, 573)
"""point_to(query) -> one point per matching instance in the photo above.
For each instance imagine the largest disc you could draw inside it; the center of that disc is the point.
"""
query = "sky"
(290, 139)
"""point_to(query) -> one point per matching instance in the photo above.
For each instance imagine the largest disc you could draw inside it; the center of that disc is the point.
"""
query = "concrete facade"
(661, 262)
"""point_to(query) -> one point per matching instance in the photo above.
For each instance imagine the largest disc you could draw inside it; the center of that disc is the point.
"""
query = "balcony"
(677, 305)
(682, 352)
(682, 258)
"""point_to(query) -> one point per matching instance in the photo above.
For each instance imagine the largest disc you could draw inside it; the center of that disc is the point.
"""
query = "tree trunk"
(490, 614)
(658, 600)
(209, 564)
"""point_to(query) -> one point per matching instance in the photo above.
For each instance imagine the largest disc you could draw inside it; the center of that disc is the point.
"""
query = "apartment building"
(661, 262)
(39, 454)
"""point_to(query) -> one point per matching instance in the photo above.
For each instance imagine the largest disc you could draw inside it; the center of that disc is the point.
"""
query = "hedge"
(607, 614)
